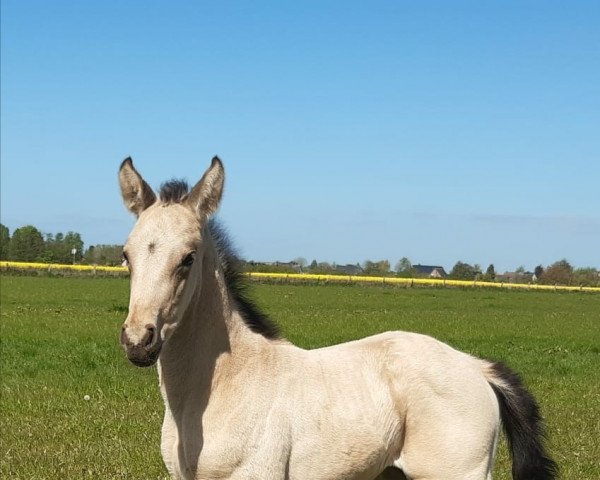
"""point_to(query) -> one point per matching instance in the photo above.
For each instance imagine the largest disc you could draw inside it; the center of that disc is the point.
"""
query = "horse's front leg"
(168, 444)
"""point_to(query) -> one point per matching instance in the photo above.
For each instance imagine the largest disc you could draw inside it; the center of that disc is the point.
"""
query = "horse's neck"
(210, 336)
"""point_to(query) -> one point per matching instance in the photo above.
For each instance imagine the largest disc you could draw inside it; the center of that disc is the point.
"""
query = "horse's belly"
(348, 452)
(345, 423)
(223, 459)
(355, 448)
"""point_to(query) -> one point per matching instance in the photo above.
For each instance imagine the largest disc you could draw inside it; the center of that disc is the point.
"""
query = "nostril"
(150, 336)
(123, 338)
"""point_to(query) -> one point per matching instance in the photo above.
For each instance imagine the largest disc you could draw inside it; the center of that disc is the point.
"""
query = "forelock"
(174, 191)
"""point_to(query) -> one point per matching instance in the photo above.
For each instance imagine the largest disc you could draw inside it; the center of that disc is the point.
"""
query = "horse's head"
(164, 255)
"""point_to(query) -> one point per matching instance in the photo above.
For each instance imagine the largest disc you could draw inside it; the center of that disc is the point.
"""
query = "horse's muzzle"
(145, 352)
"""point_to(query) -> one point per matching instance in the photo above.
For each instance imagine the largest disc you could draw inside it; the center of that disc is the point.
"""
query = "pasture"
(60, 347)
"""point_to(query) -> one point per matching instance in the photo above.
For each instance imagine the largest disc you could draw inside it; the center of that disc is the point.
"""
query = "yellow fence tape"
(321, 278)
(418, 281)
(60, 266)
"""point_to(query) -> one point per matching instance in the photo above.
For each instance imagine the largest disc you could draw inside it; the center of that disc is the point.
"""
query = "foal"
(243, 403)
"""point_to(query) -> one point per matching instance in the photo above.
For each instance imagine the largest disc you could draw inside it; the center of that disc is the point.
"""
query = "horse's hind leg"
(467, 454)
(391, 473)
(448, 472)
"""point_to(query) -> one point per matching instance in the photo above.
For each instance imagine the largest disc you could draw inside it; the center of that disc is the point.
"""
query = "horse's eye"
(188, 260)
(124, 260)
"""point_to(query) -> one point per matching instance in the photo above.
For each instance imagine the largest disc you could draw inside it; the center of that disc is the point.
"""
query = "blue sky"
(441, 131)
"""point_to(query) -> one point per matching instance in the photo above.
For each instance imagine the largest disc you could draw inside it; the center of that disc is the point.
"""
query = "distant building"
(271, 267)
(290, 265)
(349, 269)
(515, 277)
(429, 271)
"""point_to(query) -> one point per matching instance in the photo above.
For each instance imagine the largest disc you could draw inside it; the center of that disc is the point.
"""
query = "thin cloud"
(570, 222)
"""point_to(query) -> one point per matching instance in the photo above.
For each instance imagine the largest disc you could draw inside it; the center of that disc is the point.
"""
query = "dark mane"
(237, 284)
(173, 191)
(176, 191)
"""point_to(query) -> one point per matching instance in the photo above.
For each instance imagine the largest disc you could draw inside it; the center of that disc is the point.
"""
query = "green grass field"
(60, 343)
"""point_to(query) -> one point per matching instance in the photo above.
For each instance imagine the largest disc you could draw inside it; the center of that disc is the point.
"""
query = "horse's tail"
(522, 423)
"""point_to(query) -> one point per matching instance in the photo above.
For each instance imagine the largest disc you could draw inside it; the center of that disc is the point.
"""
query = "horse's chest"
(207, 447)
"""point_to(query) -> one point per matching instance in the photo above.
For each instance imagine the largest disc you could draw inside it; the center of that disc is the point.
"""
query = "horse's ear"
(206, 194)
(137, 194)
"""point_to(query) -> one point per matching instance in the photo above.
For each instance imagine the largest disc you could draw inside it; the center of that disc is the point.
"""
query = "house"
(272, 267)
(293, 266)
(515, 277)
(430, 271)
(349, 269)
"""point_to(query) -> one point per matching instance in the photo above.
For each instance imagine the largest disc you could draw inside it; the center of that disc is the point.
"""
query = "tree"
(587, 276)
(26, 244)
(72, 242)
(377, 269)
(301, 261)
(559, 273)
(324, 268)
(538, 272)
(89, 255)
(54, 248)
(464, 271)
(490, 272)
(103, 255)
(404, 267)
(4, 242)
(59, 247)
(313, 265)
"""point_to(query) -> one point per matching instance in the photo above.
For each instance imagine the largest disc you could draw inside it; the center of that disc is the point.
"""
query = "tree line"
(560, 272)
(28, 244)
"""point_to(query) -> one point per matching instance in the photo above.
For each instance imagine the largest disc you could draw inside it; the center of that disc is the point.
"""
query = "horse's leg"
(455, 469)
(459, 452)
(391, 473)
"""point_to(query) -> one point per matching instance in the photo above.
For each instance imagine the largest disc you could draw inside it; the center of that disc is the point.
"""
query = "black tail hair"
(523, 425)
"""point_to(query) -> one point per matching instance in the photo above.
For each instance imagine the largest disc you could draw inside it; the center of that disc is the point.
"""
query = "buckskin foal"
(243, 403)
